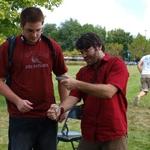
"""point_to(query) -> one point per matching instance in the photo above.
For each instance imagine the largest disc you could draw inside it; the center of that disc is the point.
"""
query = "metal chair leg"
(73, 146)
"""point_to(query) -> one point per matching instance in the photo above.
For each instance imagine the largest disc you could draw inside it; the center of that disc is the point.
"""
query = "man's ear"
(99, 48)
(101, 53)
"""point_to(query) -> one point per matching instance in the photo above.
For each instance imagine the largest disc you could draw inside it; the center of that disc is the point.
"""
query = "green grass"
(138, 117)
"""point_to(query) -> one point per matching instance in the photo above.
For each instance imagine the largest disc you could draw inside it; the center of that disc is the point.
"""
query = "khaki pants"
(145, 83)
(117, 144)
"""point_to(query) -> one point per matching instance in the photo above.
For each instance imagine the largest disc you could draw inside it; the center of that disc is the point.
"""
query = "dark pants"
(32, 134)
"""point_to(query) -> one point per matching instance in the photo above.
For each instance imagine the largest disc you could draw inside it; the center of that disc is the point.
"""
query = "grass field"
(138, 117)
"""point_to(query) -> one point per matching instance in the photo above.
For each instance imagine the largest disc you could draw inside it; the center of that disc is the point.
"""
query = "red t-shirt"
(104, 119)
(31, 74)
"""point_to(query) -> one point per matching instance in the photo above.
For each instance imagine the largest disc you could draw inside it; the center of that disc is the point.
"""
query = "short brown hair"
(31, 14)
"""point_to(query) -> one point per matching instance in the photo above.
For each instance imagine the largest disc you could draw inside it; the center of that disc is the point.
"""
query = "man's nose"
(34, 34)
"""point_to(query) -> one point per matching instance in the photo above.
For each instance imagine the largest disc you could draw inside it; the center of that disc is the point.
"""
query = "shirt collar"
(106, 57)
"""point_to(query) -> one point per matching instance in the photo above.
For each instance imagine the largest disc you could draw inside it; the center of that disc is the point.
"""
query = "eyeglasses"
(89, 51)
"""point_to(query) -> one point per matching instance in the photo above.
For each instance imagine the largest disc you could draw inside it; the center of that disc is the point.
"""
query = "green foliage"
(8, 18)
(139, 47)
(1, 38)
(69, 31)
(97, 29)
(51, 30)
(114, 48)
(117, 42)
(119, 36)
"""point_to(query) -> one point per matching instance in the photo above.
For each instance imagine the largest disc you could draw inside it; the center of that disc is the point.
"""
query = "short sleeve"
(59, 66)
(3, 60)
(118, 74)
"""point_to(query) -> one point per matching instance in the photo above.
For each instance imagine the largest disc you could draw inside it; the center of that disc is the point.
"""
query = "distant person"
(144, 69)
(31, 92)
(102, 86)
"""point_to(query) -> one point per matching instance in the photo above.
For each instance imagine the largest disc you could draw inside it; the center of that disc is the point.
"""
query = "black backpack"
(11, 47)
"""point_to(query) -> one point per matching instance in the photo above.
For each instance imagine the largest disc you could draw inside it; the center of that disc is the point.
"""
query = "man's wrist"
(62, 110)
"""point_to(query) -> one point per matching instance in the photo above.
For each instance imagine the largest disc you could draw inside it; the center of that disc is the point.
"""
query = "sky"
(130, 15)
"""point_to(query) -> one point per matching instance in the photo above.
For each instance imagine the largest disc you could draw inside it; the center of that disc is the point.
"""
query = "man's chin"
(32, 41)
(91, 63)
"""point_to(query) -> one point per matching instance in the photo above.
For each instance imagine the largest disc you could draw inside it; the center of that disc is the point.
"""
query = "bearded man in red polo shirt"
(102, 86)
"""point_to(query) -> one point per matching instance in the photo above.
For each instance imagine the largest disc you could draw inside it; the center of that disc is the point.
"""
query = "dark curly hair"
(88, 40)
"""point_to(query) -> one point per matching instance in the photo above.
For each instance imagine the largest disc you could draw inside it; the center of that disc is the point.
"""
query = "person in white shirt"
(144, 68)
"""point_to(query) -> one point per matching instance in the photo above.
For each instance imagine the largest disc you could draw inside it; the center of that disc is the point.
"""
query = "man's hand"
(70, 83)
(54, 112)
(24, 105)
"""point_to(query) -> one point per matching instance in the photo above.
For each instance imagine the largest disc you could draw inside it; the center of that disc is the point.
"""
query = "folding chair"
(67, 134)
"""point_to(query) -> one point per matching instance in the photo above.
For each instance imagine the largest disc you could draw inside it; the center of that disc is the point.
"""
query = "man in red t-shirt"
(102, 86)
(31, 91)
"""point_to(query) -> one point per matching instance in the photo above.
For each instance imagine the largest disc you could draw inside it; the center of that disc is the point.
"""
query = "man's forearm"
(69, 102)
(98, 90)
(63, 92)
(8, 93)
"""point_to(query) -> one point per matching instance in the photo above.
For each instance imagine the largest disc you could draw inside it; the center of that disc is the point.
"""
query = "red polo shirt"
(32, 74)
(104, 119)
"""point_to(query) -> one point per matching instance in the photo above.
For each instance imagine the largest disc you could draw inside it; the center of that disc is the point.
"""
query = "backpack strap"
(50, 45)
(11, 45)
(51, 48)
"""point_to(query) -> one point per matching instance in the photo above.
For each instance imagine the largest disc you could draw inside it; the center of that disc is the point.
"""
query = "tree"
(69, 31)
(114, 49)
(97, 29)
(139, 47)
(10, 11)
(121, 37)
(51, 30)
